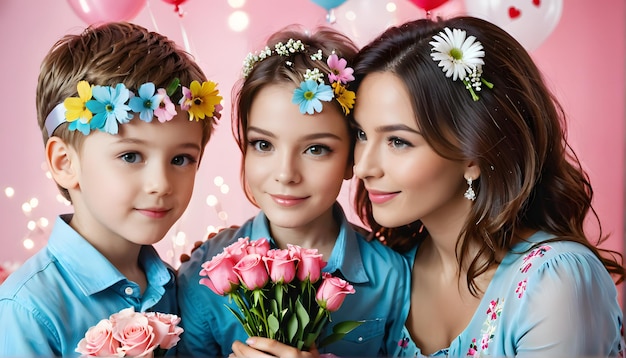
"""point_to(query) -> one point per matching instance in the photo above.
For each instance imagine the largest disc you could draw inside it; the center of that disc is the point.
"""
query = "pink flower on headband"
(338, 70)
(166, 109)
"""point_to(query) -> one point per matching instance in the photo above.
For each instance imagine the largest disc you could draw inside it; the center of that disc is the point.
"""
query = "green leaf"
(292, 327)
(273, 325)
(346, 326)
(339, 331)
(171, 88)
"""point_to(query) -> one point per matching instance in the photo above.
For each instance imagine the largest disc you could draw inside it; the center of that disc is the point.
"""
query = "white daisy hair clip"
(460, 57)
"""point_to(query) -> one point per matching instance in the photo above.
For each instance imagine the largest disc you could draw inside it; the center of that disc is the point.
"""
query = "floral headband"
(104, 107)
(313, 89)
(460, 57)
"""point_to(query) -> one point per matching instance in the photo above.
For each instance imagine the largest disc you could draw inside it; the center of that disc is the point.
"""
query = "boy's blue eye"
(131, 157)
(182, 160)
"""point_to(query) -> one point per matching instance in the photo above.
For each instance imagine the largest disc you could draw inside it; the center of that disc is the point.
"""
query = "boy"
(125, 116)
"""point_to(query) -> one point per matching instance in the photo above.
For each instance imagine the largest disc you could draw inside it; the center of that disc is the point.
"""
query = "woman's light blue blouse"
(551, 300)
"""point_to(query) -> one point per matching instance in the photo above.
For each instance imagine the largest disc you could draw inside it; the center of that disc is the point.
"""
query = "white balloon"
(529, 21)
(363, 20)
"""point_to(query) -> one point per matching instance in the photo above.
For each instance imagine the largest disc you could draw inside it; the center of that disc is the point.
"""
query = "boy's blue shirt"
(49, 303)
(379, 276)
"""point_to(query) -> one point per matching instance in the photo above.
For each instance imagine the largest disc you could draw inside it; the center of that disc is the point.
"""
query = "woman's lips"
(381, 197)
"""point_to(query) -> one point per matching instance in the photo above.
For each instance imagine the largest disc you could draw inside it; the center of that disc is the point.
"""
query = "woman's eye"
(131, 157)
(318, 150)
(399, 143)
(261, 145)
(360, 135)
(182, 160)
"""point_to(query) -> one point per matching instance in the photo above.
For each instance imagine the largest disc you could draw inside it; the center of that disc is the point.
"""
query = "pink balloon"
(529, 21)
(98, 11)
(428, 4)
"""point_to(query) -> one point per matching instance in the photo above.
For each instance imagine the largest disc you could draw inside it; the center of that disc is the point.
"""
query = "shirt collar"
(91, 271)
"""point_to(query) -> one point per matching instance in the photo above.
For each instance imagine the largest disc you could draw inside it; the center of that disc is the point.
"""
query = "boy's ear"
(60, 157)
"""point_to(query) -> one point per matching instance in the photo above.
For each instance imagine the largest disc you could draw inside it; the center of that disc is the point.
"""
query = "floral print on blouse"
(553, 299)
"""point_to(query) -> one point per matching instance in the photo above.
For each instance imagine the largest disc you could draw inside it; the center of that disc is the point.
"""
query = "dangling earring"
(469, 193)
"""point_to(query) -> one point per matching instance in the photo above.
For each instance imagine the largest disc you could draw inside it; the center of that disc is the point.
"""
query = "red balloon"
(98, 11)
(428, 4)
(176, 4)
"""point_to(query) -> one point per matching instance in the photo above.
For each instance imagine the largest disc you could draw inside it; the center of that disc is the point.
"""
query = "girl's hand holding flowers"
(281, 294)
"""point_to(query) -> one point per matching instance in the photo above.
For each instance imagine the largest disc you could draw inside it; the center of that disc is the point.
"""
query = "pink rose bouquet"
(281, 294)
(130, 333)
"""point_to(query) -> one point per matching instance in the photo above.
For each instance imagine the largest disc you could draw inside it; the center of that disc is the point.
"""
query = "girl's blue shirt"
(378, 274)
(49, 303)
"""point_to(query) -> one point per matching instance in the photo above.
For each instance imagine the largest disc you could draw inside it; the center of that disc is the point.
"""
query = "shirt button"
(128, 290)
(360, 339)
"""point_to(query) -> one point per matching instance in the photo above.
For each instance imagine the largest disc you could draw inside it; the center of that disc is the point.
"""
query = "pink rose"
(280, 265)
(310, 265)
(260, 246)
(238, 249)
(221, 277)
(133, 332)
(251, 271)
(165, 328)
(332, 292)
(99, 341)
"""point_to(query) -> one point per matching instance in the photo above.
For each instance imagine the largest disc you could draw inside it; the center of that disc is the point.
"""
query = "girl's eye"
(399, 143)
(183, 160)
(318, 150)
(261, 145)
(131, 157)
(360, 136)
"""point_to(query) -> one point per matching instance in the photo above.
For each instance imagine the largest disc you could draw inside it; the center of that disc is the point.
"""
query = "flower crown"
(104, 107)
(460, 57)
(313, 89)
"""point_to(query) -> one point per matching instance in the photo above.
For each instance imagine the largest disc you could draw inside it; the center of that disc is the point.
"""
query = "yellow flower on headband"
(344, 96)
(200, 100)
(76, 107)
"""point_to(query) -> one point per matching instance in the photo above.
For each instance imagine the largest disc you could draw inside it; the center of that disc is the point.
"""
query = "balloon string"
(156, 28)
(185, 38)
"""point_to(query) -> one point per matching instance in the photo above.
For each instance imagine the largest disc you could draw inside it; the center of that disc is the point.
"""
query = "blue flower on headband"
(146, 102)
(109, 107)
(309, 95)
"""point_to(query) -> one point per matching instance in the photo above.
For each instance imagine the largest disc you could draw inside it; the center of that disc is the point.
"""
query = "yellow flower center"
(456, 54)
(308, 95)
(197, 101)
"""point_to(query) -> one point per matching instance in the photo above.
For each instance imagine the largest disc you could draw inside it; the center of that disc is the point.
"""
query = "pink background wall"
(583, 61)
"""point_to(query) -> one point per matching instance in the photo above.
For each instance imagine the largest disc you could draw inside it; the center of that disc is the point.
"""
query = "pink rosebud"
(251, 271)
(238, 249)
(280, 265)
(165, 328)
(134, 333)
(260, 246)
(221, 277)
(310, 265)
(99, 341)
(332, 292)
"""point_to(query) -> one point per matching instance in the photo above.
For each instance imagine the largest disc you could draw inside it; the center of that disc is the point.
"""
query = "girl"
(290, 124)
(464, 167)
